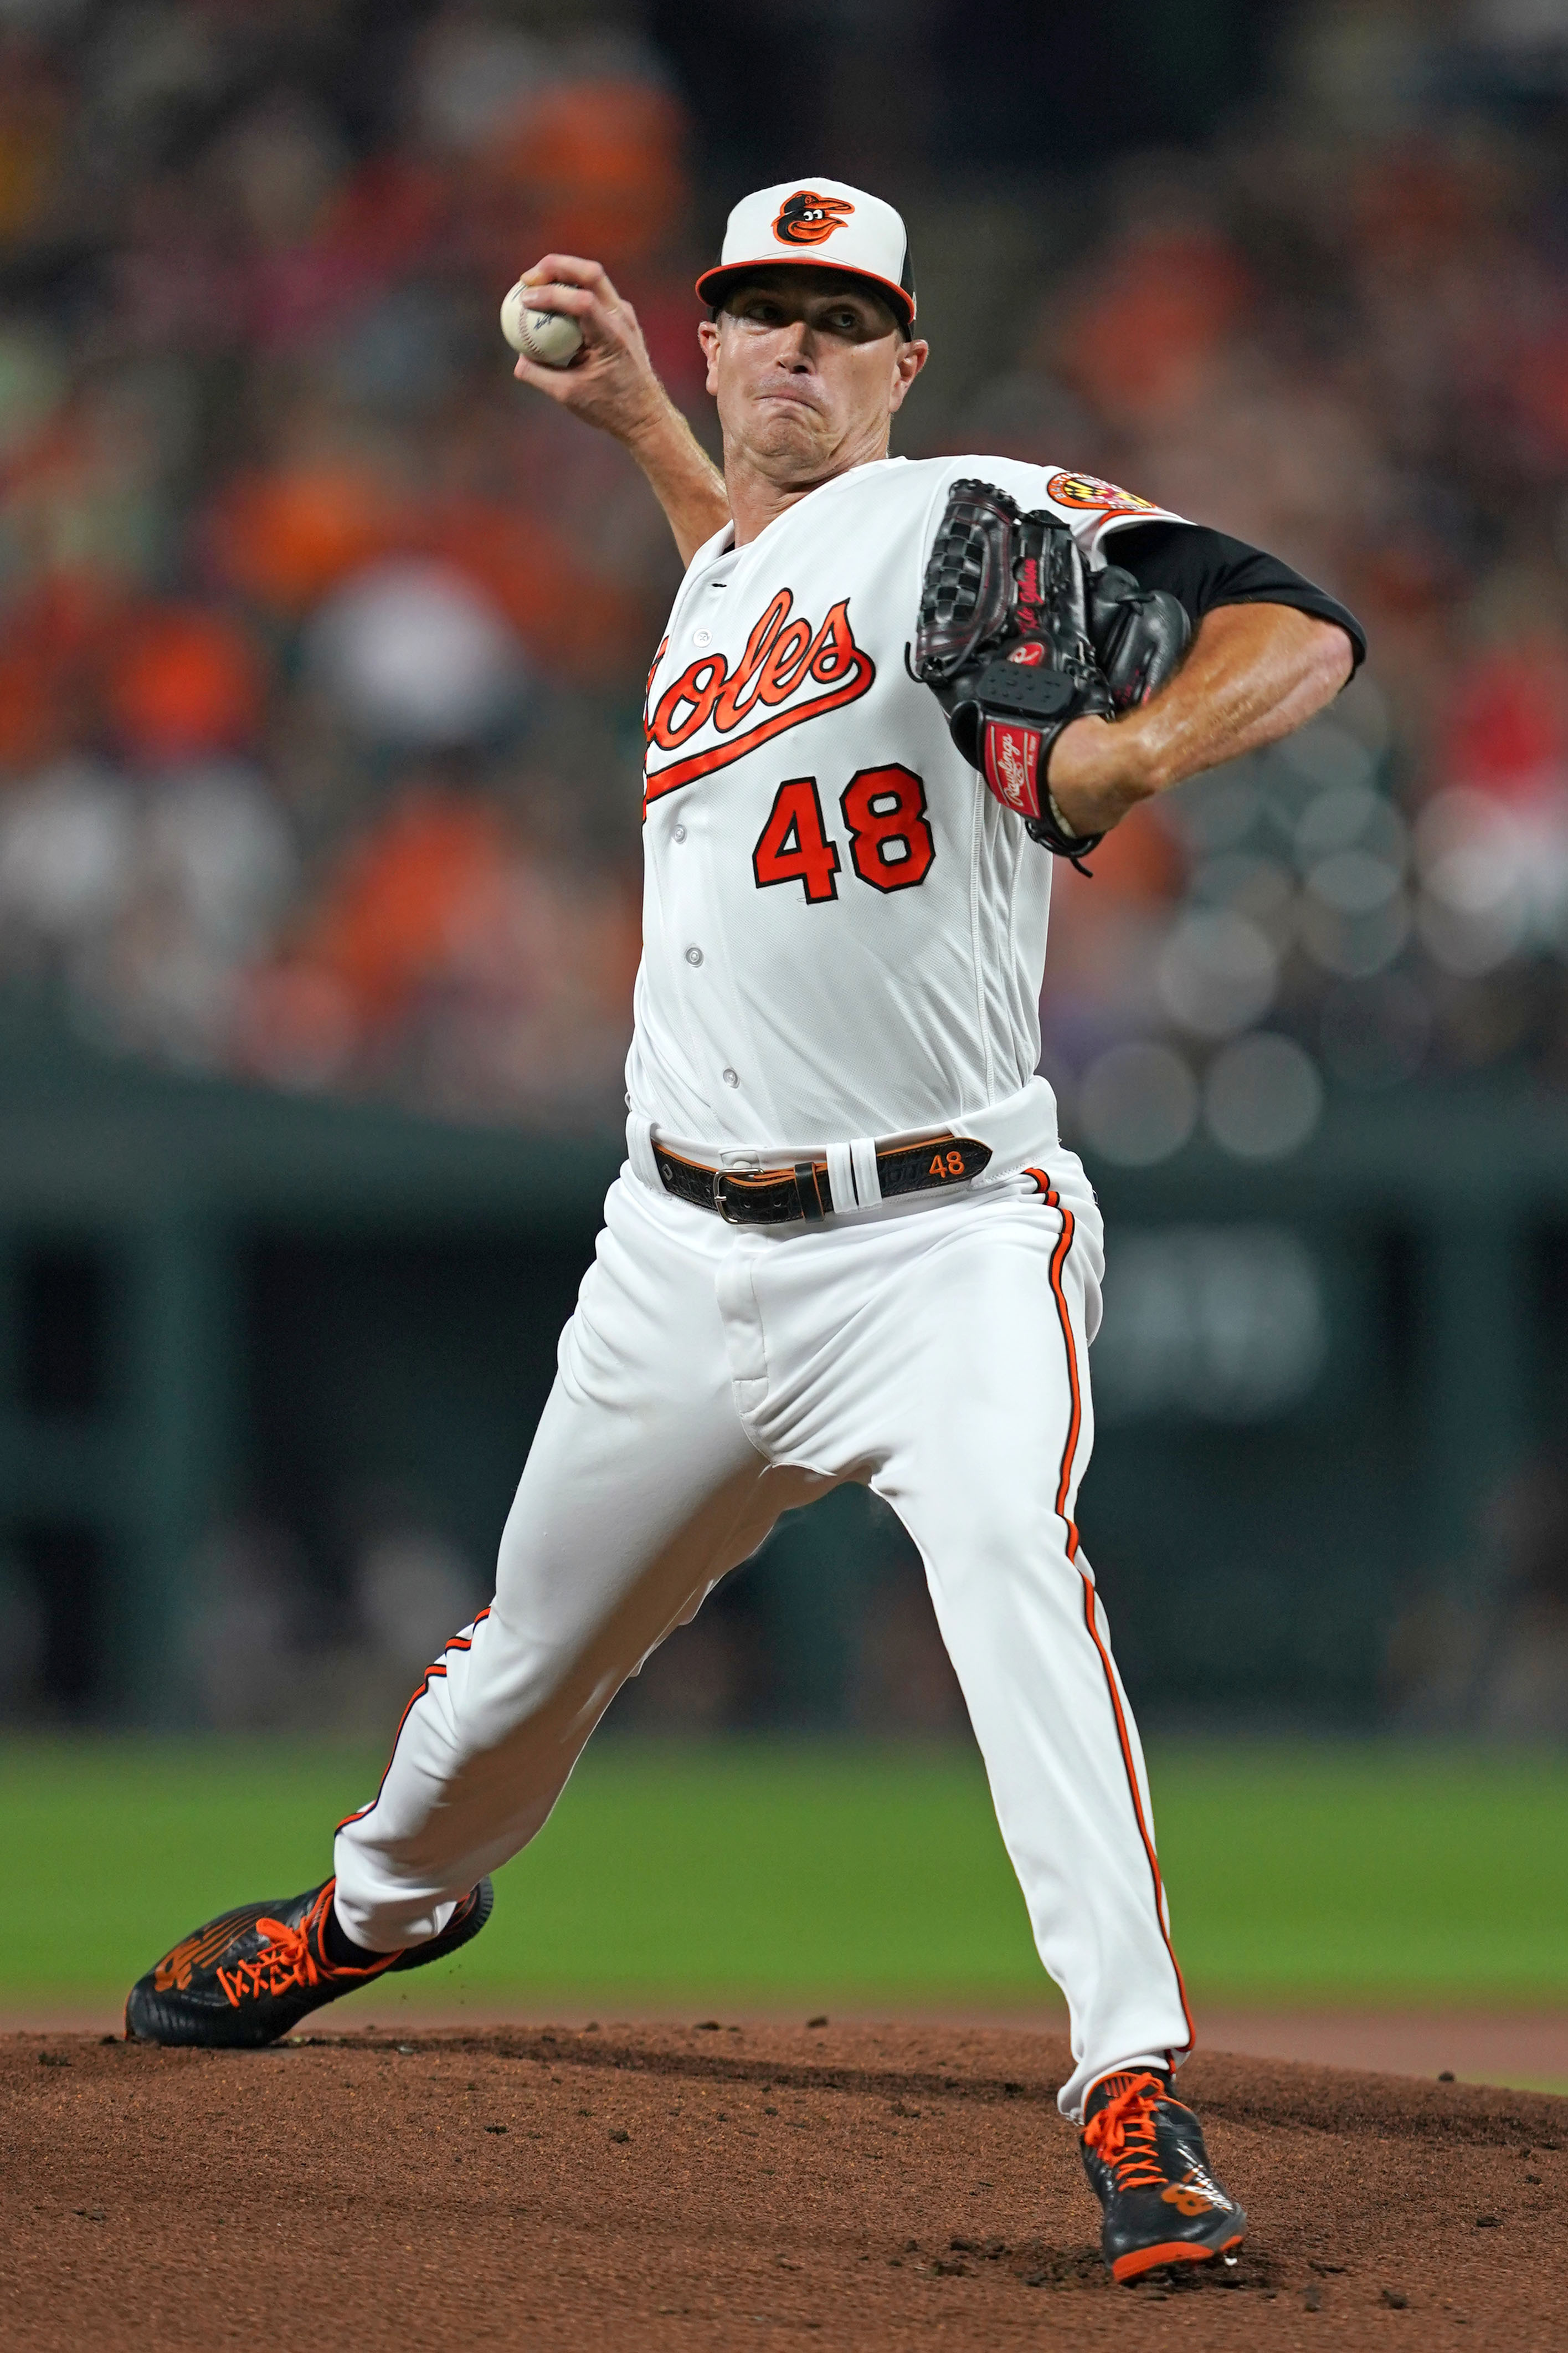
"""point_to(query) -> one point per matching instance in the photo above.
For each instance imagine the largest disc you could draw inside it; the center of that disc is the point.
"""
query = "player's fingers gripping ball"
(548, 338)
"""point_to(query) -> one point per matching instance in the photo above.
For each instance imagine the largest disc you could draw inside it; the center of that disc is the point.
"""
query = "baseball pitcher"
(847, 1242)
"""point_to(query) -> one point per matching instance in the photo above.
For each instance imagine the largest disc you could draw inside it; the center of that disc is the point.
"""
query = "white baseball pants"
(936, 1349)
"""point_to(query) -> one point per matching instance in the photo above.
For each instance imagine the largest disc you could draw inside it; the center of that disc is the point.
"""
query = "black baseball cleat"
(1143, 2153)
(252, 1975)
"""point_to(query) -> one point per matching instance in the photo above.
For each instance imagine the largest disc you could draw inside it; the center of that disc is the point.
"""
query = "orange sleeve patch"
(1087, 491)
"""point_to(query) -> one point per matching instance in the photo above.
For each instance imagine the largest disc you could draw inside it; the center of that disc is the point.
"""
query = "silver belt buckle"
(719, 1202)
(747, 1162)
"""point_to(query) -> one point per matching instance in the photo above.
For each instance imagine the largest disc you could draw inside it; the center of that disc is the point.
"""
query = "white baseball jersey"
(845, 937)
(844, 933)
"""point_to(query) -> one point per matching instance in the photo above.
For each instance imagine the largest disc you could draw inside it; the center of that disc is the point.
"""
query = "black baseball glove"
(1017, 638)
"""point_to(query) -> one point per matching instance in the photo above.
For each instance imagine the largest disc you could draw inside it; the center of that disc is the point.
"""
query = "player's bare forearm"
(611, 385)
(1256, 672)
(682, 477)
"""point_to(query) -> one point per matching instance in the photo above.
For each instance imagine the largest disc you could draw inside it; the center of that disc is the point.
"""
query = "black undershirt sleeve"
(1203, 568)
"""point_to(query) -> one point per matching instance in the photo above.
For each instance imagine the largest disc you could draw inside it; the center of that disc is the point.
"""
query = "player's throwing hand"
(611, 383)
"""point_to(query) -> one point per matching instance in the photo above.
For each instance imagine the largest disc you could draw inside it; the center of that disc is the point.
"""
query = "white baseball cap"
(822, 225)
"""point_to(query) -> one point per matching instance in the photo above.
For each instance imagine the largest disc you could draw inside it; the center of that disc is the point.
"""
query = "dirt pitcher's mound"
(716, 2186)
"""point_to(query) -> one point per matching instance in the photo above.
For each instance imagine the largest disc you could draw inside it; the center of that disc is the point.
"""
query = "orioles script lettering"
(788, 672)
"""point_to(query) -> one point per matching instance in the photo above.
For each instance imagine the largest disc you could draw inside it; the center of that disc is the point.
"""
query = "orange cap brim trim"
(712, 283)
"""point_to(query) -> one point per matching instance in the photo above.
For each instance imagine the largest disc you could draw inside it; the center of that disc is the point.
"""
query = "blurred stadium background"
(321, 650)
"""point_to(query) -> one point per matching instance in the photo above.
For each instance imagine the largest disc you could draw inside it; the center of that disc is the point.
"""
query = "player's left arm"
(1270, 649)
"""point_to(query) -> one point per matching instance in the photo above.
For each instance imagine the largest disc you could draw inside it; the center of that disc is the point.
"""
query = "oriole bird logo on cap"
(806, 218)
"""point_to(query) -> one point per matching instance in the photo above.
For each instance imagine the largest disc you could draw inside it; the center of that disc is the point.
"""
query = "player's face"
(808, 369)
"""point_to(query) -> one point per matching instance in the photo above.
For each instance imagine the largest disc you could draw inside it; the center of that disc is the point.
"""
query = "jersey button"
(702, 636)
(731, 1078)
(693, 955)
(680, 833)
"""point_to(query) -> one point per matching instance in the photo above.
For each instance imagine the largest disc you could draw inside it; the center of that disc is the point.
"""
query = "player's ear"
(912, 356)
(708, 336)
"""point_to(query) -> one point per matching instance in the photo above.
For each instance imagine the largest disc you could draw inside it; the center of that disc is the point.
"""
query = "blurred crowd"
(1343, 336)
(322, 643)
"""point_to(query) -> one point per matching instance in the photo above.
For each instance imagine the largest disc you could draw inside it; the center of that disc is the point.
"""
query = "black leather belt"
(777, 1196)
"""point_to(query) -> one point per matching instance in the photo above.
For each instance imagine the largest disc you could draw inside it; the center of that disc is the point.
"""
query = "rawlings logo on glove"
(1018, 638)
(1013, 767)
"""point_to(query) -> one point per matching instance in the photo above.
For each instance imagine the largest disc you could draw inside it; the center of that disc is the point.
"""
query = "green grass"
(771, 1874)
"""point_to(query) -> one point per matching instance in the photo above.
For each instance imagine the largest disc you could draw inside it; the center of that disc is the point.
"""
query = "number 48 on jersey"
(891, 843)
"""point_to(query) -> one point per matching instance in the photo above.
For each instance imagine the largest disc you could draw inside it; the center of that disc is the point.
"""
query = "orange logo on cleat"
(1193, 2196)
(176, 1968)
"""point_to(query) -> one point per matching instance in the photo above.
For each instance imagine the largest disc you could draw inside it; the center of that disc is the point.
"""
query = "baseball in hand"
(548, 338)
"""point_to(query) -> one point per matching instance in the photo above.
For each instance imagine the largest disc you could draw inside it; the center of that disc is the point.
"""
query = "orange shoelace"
(288, 1961)
(1121, 2134)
